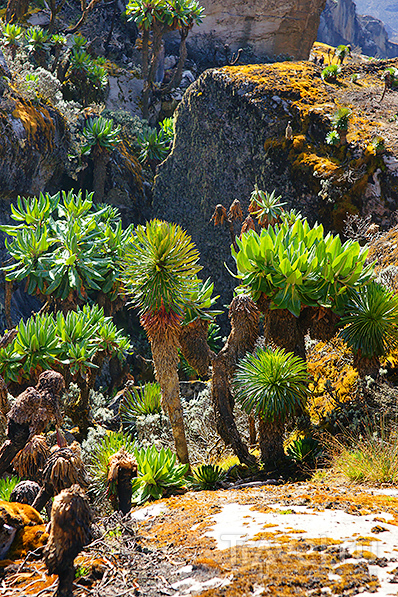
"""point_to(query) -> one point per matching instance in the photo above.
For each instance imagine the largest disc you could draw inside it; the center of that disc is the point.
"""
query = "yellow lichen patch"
(330, 363)
(28, 539)
(35, 121)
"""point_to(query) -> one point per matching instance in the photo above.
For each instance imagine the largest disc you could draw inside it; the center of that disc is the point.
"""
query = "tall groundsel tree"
(159, 272)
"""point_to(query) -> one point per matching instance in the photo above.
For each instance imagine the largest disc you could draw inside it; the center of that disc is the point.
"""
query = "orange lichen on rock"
(35, 120)
(330, 363)
(28, 539)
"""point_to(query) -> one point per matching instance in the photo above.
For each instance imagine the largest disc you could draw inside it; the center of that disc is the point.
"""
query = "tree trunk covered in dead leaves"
(244, 317)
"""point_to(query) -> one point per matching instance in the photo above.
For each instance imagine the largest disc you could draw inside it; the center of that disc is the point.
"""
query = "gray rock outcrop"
(266, 28)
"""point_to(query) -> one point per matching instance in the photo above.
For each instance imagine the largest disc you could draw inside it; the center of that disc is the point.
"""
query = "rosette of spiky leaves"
(37, 345)
(79, 41)
(200, 305)
(266, 207)
(341, 119)
(330, 73)
(145, 400)
(80, 62)
(272, 384)
(295, 265)
(304, 450)
(13, 34)
(37, 39)
(98, 466)
(144, 12)
(100, 132)
(7, 485)
(392, 72)
(207, 476)
(371, 327)
(58, 40)
(154, 145)
(158, 473)
(214, 337)
(333, 138)
(98, 76)
(77, 251)
(159, 273)
(167, 128)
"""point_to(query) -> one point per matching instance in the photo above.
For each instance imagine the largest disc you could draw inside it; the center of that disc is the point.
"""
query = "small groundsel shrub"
(331, 73)
(372, 459)
(154, 146)
(100, 132)
(98, 459)
(12, 34)
(158, 473)
(7, 485)
(304, 450)
(355, 78)
(393, 72)
(63, 341)
(207, 476)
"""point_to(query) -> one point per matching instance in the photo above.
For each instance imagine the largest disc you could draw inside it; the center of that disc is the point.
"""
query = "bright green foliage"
(207, 476)
(378, 144)
(154, 145)
(158, 473)
(79, 41)
(167, 128)
(58, 40)
(333, 138)
(372, 324)
(98, 76)
(100, 132)
(63, 244)
(295, 265)
(160, 267)
(7, 486)
(342, 52)
(341, 119)
(355, 77)
(13, 34)
(304, 450)
(393, 72)
(331, 72)
(80, 62)
(266, 207)
(54, 342)
(272, 384)
(201, 303)
(175, 14)
(37, 39)
(214, 337)
(98, 467)
(143, 401)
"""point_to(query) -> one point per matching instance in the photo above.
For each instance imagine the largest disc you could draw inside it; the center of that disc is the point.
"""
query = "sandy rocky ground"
(294, 539)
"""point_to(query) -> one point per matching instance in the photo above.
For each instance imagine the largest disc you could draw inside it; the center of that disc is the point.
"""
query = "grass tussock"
(371, 459)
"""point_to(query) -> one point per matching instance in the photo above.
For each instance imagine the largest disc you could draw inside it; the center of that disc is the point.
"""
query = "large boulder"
(230, 135)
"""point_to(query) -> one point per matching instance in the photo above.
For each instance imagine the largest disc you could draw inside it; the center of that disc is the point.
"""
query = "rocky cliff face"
(340, 24)
(269, 27)
(230, 134)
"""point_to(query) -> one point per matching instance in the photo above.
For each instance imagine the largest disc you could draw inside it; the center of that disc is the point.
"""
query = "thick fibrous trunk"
(124, 489)
(366, 365)
(194, 347)
(283, 329)
(271, 443)
(42, 498)
(156, 48)
(18, 435)
(7, 453)
(244, 333)
(101, 158)
(165, 358)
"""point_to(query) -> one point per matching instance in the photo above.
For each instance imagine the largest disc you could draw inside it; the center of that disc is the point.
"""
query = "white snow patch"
(191, 586)
(143, 513)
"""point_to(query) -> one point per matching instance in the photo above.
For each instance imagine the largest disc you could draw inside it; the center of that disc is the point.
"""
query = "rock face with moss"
(230, 134)
(270, 28)
(33, 145)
